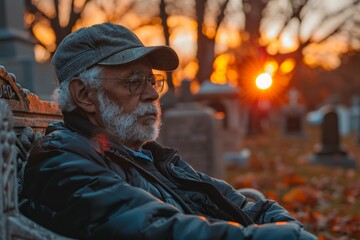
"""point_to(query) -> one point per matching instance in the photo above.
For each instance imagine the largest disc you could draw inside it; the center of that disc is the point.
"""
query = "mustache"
(146, 109)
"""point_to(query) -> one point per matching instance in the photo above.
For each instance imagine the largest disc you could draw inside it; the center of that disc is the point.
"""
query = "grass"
(324, 198)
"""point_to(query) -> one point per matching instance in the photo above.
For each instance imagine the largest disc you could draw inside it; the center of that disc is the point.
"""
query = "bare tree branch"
(221, 15)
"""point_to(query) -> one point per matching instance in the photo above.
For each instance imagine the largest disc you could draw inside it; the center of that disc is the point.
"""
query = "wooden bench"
(23, 119)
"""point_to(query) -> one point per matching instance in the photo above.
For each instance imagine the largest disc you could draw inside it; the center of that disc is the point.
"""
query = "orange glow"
(219, 76)
(270, 67)
(273, 47)
(220, 115)
(29, 18)
(269, 34)
(281, 223)
(264, 81)
(288, 65)
(233, 223)
(183, 41)
(202, 218)
(147, 33)
(269, 88)
(191, 69)
(288, 43)
(181, 21)
(46, 34)
(41, 54)
(183, 36)
(101, 142)
(210, 32)
(326, 55)
(233, 76)
(310, 60)
(227, 38)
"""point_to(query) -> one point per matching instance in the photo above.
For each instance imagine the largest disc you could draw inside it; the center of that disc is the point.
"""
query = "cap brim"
(161, 57)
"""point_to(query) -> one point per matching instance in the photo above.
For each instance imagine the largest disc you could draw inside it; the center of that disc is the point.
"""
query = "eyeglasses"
(137, 83)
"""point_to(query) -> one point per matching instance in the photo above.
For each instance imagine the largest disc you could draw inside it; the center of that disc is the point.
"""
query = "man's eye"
(136, 82)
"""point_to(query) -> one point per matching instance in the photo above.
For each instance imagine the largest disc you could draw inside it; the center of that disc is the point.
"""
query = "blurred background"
(309, 45)
(277, 83)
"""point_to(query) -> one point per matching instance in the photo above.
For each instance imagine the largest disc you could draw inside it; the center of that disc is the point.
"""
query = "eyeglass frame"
(150, 79)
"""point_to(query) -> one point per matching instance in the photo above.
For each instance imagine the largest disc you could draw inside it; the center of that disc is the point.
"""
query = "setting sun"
(264, 81)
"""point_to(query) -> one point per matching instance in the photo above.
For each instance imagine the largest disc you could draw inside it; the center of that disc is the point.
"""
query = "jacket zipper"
(178, 199)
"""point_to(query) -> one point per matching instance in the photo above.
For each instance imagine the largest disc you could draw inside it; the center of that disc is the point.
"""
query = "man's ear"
(82, 96)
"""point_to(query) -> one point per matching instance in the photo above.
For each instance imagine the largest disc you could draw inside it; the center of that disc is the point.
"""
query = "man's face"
(132, 118)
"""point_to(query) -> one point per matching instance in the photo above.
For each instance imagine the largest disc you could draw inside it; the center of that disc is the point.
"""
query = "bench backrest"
(23, 119)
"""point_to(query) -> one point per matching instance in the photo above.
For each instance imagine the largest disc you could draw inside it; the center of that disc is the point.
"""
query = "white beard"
(125, 127)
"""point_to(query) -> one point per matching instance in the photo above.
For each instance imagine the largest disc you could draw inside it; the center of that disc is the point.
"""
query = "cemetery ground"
(324, 198)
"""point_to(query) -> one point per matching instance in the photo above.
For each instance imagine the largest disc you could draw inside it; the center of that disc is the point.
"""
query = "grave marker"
(194, 131)
(330, 152)
(293, 116)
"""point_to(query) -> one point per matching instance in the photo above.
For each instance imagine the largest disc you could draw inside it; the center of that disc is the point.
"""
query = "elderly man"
(100, 175)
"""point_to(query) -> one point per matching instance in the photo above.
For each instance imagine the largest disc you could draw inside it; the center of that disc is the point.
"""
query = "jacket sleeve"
(263, 211)
(82, 198)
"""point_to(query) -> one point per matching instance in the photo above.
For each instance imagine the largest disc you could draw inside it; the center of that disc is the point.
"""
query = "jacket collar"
(102, 141)
(76, 122)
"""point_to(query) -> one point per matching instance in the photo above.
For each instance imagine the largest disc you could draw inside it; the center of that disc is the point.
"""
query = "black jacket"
(80, 183)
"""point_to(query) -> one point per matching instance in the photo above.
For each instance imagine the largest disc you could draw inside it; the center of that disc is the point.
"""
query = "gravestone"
(17, 51)
(316, 117)
(224, 99)
(195, 132)
(329, 151)
(293, 116)
(257, 116)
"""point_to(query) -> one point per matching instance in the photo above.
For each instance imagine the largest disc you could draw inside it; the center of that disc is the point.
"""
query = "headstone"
(185, 92)
(293, 116)
(258, 116)
(17, 51)
(196, 133)
(330, 152)
(224, 99)
(317, 117)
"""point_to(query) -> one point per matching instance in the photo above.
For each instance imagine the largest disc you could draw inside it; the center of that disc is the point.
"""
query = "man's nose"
(149, 93)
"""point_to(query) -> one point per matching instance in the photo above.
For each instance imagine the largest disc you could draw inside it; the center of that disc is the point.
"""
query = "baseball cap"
(107, 44)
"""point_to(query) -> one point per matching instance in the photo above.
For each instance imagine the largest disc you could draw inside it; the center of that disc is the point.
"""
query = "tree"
(206, 41)
(313, 28)
(47, 15)
(57, 19)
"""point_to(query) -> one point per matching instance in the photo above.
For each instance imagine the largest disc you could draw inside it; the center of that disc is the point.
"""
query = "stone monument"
(329, 151)
(224, 99)
(293, 116)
